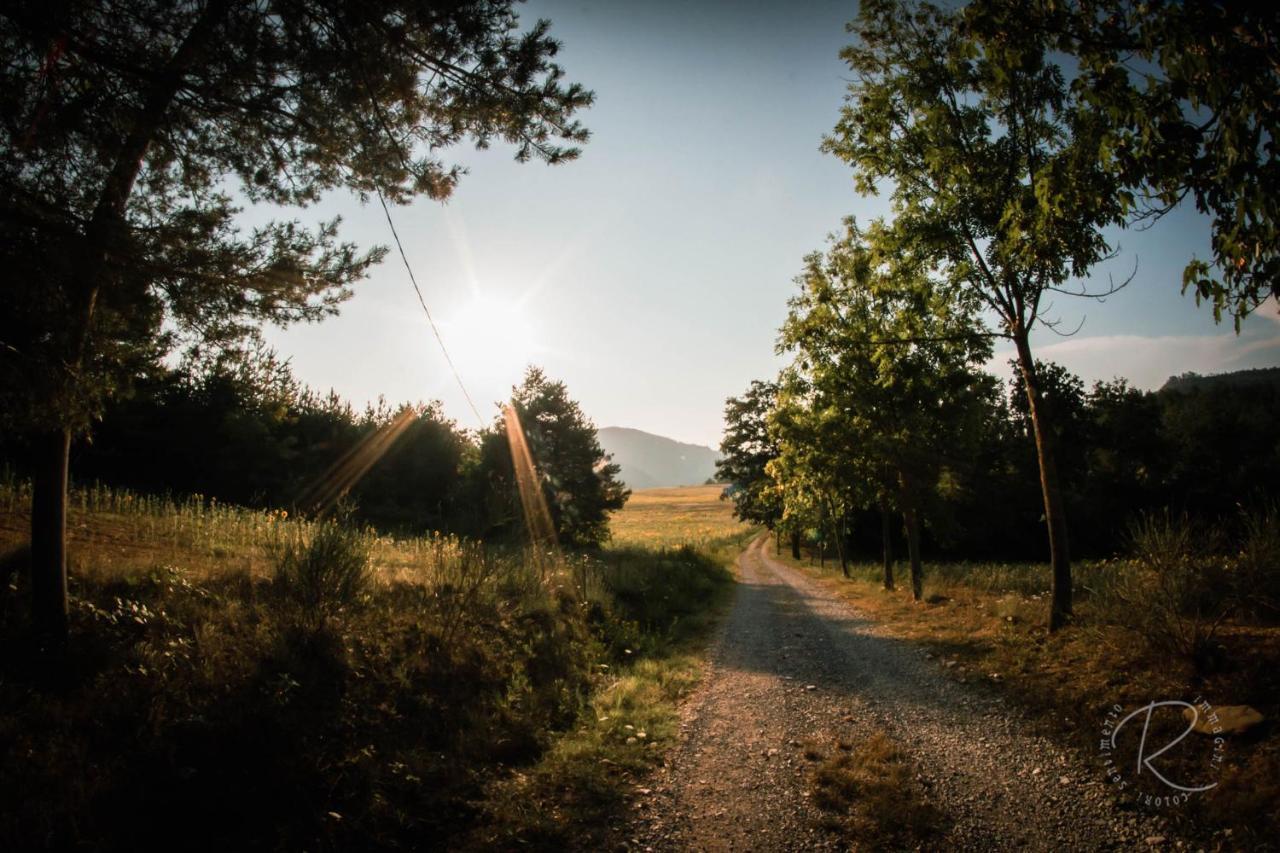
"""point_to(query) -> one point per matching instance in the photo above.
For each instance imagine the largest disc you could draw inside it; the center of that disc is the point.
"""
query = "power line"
(430, 320)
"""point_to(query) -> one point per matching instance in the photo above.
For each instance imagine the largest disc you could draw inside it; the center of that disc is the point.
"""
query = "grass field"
(689, 515)
(459, 696)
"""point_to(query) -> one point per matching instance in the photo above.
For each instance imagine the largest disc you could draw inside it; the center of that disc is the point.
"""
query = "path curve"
(793, 664)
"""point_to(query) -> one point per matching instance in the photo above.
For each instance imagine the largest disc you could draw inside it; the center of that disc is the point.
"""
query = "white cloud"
(1147, 362)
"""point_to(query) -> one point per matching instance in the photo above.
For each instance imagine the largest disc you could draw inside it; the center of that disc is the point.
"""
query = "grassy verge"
(573, 798)
(984, 625)
(239, 679)
(869, 793)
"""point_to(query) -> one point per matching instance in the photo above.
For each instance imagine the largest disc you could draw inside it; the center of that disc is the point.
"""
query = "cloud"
(1148, 361)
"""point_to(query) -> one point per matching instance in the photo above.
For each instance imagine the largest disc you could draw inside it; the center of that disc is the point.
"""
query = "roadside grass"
(869, 792)
(670, 561)
(984, 624)
(229, 688)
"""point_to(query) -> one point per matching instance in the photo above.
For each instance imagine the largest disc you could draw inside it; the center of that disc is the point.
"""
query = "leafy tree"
(811, 475)
(747, 449)
(995, 178)
(1186, 92)
(578, 481)
(891, 358)
(127, 124)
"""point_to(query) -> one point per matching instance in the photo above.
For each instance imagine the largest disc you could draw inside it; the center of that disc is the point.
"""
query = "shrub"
(1176, 591)
(1257, 564)
(325, 571)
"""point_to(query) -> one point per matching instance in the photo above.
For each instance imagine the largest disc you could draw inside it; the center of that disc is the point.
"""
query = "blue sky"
(651, 275)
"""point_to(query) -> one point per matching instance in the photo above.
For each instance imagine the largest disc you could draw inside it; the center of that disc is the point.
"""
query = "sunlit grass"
(469, 672)
(664, 518)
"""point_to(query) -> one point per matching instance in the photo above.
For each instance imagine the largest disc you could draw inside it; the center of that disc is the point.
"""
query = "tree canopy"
(578, 481)
(1184, 93)
(995, 177)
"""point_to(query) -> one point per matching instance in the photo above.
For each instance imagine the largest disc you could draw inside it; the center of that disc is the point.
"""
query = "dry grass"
(463, 689)
(664, 518)
(870, 792)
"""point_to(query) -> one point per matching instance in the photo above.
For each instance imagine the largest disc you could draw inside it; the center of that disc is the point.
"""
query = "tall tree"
(127, 124)
(892, 358)
(745, 450)
(993, 174)
(815, 481)
(578, 482)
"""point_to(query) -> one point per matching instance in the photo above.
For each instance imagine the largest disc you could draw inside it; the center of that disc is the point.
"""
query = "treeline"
(1200, 446)
(241, 429)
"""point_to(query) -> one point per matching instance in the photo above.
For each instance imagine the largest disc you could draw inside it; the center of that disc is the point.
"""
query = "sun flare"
(493, 340)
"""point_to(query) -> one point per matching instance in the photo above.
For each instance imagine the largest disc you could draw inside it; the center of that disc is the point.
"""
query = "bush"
(1257, 564)
(325, 571)
(1176, 591)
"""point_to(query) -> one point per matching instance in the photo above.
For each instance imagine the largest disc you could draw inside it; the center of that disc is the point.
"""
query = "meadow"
(243, 678)
(689, 515)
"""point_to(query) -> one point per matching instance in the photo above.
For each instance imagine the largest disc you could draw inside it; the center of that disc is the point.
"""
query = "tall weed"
(1176, 591)
(326, 569)
(1257, 563)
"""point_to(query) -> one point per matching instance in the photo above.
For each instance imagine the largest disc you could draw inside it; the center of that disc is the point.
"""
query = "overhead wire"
(435, 330)
(405, 162)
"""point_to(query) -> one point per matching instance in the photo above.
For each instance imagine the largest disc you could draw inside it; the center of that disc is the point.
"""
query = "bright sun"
(492, 341)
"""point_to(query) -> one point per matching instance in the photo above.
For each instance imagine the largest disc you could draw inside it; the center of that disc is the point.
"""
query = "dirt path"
(791, 665)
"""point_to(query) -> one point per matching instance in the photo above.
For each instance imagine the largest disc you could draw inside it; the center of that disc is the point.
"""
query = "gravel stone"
(729, 785)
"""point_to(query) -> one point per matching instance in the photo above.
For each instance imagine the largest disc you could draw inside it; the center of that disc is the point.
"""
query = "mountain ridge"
(650, 461)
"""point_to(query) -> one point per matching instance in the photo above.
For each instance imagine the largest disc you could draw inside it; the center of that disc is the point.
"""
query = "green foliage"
(884, 401)
(747, 448)
(578, 481)
(326, 569)
(1177, 592)
(211, 712)
(1257, 564)
(1184, 93)
(996, 178)
(127, 125)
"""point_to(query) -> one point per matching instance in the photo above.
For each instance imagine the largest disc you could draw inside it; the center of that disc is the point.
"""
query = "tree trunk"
(886, 541)
(911, 520)
(777, 542)
(1054, 512)
(842, 547)
(49, 537)
(795, 544)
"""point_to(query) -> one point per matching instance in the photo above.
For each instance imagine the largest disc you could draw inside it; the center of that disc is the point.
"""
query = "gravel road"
(793, 665)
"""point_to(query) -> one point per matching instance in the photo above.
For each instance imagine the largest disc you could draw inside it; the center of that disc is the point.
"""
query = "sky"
(651, 275)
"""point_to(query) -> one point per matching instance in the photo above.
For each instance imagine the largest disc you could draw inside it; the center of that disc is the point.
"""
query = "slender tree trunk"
(49, 537)
(1054, 511)
(777, 542)
(911, 521)
(795, 544)
(106, 227)
(886, 543)
(842, 548)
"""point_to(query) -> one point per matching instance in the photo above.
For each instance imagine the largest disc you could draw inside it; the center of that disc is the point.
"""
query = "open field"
(688, 515)
(456, 692)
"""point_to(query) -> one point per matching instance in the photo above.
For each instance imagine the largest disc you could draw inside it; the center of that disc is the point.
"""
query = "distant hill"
(651, 461)
(1264, 376)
